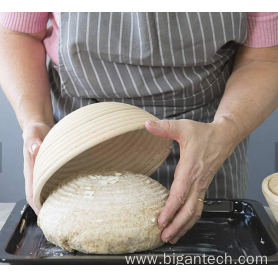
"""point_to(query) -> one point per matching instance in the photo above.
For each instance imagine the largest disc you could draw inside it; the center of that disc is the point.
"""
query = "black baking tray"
(238, 230)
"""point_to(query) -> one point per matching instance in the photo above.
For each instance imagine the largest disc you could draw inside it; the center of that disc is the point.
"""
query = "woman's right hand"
(33, 135)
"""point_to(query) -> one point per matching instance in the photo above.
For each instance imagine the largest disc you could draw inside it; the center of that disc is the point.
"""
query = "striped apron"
(173, 65)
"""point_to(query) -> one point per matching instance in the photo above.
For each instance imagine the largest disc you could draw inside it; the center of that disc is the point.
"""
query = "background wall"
(261, 155)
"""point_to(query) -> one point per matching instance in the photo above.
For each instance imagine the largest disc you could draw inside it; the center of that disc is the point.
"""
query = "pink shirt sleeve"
(262, 30)
(24, 22)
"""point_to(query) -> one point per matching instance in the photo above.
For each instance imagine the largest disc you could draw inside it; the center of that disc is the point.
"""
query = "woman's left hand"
(203, 149)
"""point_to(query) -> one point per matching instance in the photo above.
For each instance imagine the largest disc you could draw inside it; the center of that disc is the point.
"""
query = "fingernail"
(34, 146)
(166, 240)
(174, 240)
(153, 123)
(162, 224)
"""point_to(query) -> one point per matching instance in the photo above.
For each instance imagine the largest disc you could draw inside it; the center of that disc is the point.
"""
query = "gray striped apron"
(173, 65)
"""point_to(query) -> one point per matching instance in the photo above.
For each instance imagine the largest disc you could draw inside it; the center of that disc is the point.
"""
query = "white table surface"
(5, 210)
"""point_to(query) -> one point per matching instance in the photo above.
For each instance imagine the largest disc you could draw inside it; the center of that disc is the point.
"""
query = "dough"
(104, 212)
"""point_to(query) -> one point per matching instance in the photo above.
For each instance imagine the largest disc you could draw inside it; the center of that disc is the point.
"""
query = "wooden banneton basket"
(105, 135)
(270, 191)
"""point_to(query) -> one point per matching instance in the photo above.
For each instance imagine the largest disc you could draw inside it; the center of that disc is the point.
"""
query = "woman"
(197, 72)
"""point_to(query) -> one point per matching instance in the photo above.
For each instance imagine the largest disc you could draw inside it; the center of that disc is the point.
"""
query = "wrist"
(27, 123)
(31, 113)
(230, 128)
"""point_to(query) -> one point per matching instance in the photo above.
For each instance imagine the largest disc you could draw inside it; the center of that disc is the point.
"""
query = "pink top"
(262, 28)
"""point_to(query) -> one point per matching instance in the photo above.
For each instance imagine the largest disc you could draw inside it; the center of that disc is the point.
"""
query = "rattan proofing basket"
(105, 135)
(271, 198)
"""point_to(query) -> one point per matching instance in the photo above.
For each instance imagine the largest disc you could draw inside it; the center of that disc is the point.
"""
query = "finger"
(179, 191)
(36, 148)
(190, 224)
(183, 216)
(164, 128)
(28, 175)
(32, 204)
(32, 143)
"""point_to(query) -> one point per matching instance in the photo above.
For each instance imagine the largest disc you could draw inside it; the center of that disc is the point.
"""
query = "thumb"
(164, 128)
(33, 143)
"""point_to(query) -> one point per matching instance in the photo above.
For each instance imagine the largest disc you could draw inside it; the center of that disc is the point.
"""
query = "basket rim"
(47, 171)
(269, 195)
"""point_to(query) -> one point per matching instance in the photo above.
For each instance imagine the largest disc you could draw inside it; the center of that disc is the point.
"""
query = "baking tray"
(237, 229)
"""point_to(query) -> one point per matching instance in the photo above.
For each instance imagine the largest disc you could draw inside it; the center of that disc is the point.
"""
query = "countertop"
(5, 210)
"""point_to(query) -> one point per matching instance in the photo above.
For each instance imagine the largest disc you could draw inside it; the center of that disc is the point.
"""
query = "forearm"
(251, 94)
(23, 76)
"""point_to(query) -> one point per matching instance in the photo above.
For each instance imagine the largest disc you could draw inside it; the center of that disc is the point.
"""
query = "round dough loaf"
(104, 212)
